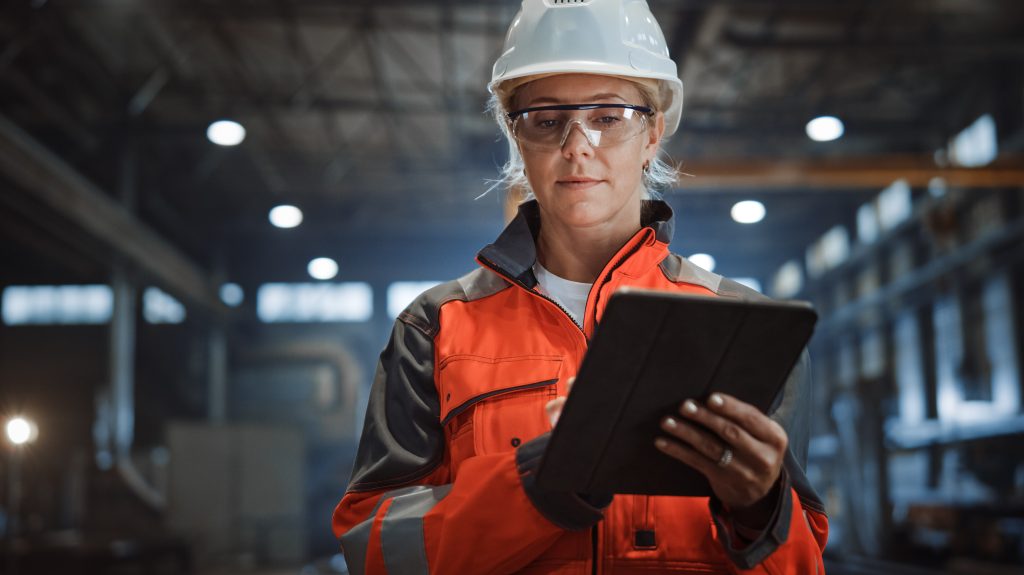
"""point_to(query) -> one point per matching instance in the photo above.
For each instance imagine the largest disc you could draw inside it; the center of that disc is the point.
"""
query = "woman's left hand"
(739, 449)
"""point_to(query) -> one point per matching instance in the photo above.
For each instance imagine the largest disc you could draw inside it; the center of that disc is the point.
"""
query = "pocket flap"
(466, 380)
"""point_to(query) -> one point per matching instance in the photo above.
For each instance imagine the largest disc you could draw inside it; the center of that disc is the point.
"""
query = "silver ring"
(726, 458)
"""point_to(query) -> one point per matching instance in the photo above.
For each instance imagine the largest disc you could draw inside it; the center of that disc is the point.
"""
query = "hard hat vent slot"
(569, 2)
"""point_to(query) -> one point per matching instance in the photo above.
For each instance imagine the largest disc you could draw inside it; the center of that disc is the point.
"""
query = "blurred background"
(211, 212)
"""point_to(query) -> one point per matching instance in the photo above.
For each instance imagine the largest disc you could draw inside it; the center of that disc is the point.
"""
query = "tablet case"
(651, 351)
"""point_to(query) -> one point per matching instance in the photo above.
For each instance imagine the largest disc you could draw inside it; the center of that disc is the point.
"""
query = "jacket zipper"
(597, 284)
(608, 276)
(500, 272)
(594, 533)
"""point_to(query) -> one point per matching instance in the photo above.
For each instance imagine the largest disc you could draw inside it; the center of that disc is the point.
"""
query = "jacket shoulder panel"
(732, 288)
(424, 312)
(678, 269)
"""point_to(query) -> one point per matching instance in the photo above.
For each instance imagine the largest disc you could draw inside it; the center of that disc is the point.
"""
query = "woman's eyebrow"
(594, 98)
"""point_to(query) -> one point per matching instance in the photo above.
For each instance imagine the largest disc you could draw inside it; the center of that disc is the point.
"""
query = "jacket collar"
(515, 251)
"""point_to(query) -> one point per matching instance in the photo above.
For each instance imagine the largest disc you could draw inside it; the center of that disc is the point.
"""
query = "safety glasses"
(604, 125)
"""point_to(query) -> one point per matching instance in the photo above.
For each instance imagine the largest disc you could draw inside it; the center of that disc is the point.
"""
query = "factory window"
(51, 305)
(889, 209)
(975, 350)
(401, 294)
(161, 307)
(788, 281)
(830, 251)
(976, 145)
(894, 205)
(314, 302)
(867, 223)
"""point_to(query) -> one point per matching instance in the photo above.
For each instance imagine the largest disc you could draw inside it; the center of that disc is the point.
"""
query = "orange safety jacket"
(456, 425)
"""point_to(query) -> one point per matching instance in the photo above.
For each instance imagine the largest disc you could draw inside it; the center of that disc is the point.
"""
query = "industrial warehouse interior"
(212, 213)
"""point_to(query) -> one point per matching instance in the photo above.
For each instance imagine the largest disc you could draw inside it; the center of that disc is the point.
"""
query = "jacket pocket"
(503, 398)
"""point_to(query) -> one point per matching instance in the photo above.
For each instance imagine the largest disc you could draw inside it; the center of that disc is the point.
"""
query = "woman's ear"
(654, 134)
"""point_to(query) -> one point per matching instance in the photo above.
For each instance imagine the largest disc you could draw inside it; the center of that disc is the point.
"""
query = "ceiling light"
(323, 268)
(703, 260)
(20, 430)
(286, 216)
(825, 129)
(231, 294)
(748, 212)
(226, 133)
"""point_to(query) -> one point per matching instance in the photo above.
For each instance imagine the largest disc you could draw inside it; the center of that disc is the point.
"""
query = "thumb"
(554, 409)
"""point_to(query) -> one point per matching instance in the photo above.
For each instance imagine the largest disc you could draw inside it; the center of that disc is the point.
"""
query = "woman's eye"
(546, 124)
(607, 121)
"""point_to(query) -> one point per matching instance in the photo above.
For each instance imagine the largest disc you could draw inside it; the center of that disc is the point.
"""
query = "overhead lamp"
(748, 212)
(323, 268)
(21, 431)
(232, 294)
(285, 216)
(703, 260)
(225, 133)
(825, 129)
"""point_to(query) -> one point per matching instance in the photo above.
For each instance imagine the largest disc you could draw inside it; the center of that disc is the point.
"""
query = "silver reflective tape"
(692, 274)
(355, 541)
(405, 549)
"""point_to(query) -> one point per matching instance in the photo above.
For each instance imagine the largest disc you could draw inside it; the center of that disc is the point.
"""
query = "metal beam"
(966, 49)
(65, 191)
(830, 175)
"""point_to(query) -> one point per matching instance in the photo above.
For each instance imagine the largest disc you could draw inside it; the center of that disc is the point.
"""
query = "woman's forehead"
(575, 89)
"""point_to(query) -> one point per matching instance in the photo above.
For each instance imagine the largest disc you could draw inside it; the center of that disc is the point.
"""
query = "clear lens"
(548, 129)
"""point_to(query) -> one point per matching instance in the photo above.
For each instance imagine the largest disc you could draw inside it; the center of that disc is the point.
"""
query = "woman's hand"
(739, 449)
(554, 407)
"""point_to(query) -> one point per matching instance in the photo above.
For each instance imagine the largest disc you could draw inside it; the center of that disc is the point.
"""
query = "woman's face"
(579, 185)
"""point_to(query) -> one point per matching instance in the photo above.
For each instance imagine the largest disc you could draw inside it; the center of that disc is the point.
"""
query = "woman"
(476, 370)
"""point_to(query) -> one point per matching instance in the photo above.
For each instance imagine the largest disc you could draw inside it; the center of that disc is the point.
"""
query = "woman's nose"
(578, 139)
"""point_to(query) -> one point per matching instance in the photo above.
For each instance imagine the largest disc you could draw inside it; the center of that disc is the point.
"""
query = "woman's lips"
(578, 183)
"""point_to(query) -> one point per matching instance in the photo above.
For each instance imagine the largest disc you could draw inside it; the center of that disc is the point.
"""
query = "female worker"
(457, 419)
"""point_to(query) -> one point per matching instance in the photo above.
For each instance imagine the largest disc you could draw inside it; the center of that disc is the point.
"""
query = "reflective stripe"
(679, 269)
(401, 534)
(355, 541)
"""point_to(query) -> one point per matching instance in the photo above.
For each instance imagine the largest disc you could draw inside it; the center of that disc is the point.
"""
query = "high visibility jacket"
(456, 425)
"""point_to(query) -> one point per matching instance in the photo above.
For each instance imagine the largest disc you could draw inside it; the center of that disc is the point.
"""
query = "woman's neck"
(580, 254)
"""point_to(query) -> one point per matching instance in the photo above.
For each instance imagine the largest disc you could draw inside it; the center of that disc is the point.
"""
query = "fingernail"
(671, 423)
(689, 406)
(716, 400)
(660, 443)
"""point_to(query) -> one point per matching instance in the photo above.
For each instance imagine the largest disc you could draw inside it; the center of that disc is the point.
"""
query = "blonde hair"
(658, 177)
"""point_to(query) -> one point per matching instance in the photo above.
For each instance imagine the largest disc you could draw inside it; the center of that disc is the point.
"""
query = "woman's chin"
(586, 214)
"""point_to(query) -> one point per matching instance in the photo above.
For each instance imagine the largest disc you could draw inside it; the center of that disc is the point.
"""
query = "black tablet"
(651, 351)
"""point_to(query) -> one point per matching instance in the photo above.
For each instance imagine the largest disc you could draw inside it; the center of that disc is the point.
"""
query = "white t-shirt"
(569, 294)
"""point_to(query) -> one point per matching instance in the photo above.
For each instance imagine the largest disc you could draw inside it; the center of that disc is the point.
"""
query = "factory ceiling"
(371, 116)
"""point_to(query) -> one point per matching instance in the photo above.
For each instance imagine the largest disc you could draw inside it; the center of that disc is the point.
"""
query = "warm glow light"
(748, 212)
(286, 216)
(703, 260)
(21, 431)
(226, 133)
(825, 129)
(323, 268)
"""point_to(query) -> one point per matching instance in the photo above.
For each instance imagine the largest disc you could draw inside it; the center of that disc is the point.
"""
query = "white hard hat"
(607, 37)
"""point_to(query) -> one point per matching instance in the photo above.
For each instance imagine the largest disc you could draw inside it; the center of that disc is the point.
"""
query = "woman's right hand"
(554, 407)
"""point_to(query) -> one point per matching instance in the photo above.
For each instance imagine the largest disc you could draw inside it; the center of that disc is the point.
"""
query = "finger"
(727, 430)
(702, 442)
(554, 409)
(689, 456)
(757, 424)
(568, 384)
